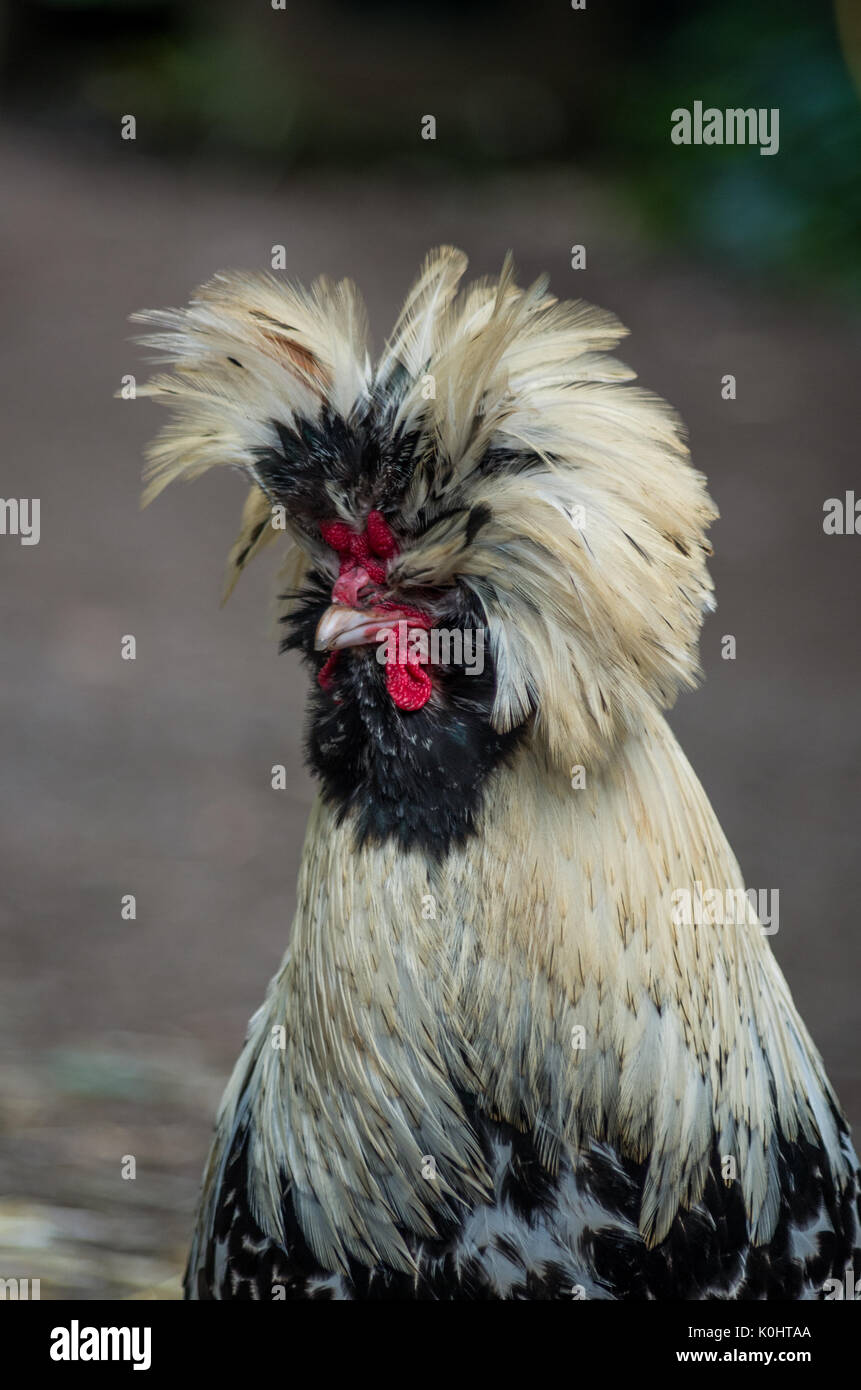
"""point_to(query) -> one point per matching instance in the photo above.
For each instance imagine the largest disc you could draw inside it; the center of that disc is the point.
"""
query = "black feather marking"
(427, 518)
(362, 459)
(479, 516)
(510, 461)
(252, 541)
(539, 1244)
(639, 549)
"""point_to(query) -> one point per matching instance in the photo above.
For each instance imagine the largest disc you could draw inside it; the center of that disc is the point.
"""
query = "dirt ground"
(151, 777)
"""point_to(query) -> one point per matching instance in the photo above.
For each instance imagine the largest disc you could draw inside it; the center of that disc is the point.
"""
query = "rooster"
(495, 1063)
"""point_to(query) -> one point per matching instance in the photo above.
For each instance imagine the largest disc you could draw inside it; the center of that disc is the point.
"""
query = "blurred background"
(258, 127)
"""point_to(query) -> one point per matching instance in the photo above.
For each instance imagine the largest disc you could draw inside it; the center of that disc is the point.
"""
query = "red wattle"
(363, 557)
(409, 684)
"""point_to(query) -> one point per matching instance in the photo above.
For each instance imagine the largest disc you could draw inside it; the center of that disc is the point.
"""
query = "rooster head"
(497, 540)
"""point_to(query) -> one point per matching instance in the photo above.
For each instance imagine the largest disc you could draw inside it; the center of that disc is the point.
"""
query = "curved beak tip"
(341, 626)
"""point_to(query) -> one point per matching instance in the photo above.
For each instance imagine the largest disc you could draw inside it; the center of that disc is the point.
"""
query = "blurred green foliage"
(798, 212)
(513, 86)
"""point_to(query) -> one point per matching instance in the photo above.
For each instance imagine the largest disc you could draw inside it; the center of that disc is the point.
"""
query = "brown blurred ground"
(152, 777)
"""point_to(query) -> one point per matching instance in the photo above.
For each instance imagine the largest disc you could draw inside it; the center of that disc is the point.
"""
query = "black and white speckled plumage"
(563, 1236)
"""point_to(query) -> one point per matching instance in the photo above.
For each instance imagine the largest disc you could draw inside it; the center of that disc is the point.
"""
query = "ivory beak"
(341, 626)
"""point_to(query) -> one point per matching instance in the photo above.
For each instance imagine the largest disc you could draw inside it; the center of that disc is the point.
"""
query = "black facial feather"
(363, 458)
(418, 776)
